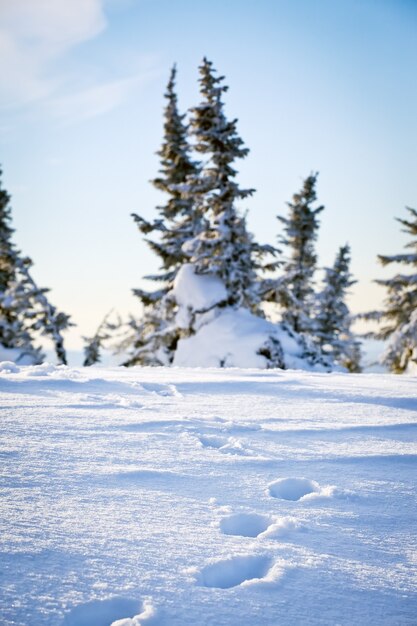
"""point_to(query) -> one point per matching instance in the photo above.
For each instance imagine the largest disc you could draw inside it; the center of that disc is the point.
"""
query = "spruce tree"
(295, 288)
(94, 345)
(25, 311)
(221, 280)
(399, 316)
(176, 167)
(151, 341)
(213, 278)
(48, 321)
(223, 247)
(333, 319)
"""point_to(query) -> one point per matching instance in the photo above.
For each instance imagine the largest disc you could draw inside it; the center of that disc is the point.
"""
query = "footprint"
(235, 571)
(245, 524)
(229, 445)
(293, 488)
(102, 612)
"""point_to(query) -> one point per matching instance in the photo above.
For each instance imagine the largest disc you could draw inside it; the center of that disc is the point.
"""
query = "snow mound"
(216, 335)
(232, 339)
(198, 292)
(9, 367)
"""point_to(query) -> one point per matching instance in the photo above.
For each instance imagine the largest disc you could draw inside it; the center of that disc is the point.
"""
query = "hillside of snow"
(215, 497)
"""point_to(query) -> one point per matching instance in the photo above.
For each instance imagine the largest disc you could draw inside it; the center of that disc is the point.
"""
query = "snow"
(293, 488)
(402, 346)
(225, 336)
(217, 497)
(198, 291)
(245, 524)
(10, 356)
(232, 338)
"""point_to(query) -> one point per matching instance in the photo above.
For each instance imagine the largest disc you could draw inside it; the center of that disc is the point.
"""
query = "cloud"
(96, 100)
(35, 33)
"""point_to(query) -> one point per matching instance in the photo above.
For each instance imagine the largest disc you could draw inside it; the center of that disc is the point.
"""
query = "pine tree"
(25, 312)
(176, 167)
(399, 317)
(95, 344)
(295, 289)
(221, 282)
(151, 340)
(213, 278)
(223, 247)
(14, 329)
(333, 319)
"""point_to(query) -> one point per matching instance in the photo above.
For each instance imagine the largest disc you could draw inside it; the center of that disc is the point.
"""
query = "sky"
(316, 85)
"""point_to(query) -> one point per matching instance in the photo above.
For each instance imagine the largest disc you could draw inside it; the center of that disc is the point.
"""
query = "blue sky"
(317, 85)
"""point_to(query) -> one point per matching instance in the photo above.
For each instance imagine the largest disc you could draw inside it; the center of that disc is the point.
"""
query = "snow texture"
(231, 339)
(194, 293)
(217, 497)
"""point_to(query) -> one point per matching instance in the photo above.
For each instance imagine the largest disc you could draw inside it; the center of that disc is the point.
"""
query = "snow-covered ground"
(207, 497)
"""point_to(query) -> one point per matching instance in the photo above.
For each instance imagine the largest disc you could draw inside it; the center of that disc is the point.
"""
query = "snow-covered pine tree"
(151, 340)
(399, 316)
(333, 319)
(209, 310)
(293, 291)
(295, 288)
(24, 309)
(176, 166)
(223, 247)
(47, 320)
(16, 336)
(216, 295)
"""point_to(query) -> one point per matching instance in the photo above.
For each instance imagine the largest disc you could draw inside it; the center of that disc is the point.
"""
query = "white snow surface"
(209, 497)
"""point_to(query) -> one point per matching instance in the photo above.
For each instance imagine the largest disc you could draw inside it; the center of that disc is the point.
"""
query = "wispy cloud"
(34, 34)
(96, 100)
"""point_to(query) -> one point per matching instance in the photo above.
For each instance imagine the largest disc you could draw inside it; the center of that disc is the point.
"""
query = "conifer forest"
(220, 298)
